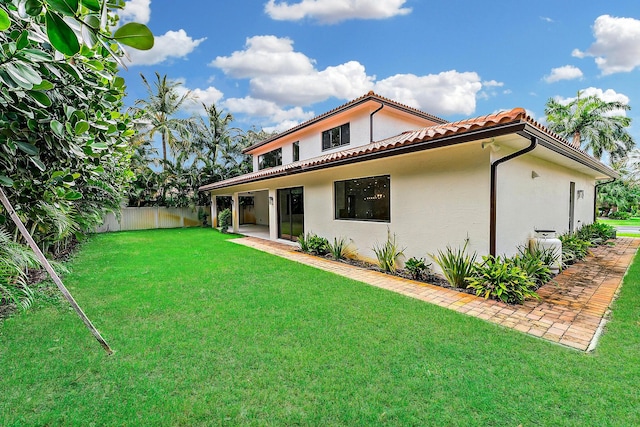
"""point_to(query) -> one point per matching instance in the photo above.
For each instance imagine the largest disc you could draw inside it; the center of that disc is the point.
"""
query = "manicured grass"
(207, 332)
(632, 222)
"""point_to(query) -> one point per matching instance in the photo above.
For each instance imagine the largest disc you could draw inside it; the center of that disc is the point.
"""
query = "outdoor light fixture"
(491, 144)
(534, 175)
(580, 194)
(271, 200)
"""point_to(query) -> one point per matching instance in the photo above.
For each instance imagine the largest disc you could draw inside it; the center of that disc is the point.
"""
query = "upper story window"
(270, 159)
(335, 137)
(296, 151)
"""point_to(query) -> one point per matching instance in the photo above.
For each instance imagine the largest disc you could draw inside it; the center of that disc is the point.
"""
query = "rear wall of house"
(438, 198)
(526, 203)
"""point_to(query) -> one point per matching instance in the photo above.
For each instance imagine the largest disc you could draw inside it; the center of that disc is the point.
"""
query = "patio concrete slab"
(571, 311)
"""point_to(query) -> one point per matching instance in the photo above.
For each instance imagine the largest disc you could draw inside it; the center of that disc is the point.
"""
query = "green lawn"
(633, 222)
(207, 332)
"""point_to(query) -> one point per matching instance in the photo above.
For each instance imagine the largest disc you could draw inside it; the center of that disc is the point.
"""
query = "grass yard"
(633, 222)
(207, 332)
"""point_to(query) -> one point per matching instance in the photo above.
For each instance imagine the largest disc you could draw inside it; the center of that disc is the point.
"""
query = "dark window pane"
(296, 151)
(336, 137)
(270, 159)
(364, 199)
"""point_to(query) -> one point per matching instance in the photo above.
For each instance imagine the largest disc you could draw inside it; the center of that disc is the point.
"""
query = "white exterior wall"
(438, 198)
(526, 203)
(261, 206)
(386, 123)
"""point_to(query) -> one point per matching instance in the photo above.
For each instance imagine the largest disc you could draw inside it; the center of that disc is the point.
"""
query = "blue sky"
(274, 63)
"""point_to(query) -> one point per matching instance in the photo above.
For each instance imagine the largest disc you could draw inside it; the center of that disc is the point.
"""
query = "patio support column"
(214, 211)
(235, 212)
(273, 214)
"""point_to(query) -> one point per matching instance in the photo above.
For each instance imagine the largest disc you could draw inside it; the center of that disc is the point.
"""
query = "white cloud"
(567, 72)
(266, 109)
(208, 96)
(280, 75)
(333, 11)
(547, 19)
(449, 92)
(136, 11)
(617, 45)
(173, 44)
(264, 55)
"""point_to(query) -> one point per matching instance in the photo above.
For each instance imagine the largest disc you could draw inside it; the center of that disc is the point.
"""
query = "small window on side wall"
(336, 137)
(270, 159)
(296, 151)
(363, 199)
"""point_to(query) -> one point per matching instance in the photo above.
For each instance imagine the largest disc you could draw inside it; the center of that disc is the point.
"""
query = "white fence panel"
(151, 218)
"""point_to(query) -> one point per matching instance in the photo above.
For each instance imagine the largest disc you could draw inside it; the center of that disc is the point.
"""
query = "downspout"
(371, 122)
(595, 196)
(494, 191)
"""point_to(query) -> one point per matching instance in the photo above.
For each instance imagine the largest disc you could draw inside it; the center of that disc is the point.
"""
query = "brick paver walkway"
(571, 311)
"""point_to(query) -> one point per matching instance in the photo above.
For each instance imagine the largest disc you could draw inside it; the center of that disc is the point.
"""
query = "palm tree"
(588, 123)
(157, 114)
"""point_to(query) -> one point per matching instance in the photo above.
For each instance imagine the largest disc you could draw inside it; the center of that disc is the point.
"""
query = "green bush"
(536, 264)
(317, 245)
(388, 253)
(418, 268)
(339, 249)
(224, 220)
(597, 232)
(303, 241)
(456, 265)
(501, 279)
(573, 248)
(619, 215)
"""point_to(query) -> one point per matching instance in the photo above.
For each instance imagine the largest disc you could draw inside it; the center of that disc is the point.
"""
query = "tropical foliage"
(64, 140)
(501, 279)
(196, 150)
(592, 124)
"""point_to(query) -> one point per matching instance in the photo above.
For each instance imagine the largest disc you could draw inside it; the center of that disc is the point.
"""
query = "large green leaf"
(57, 128)
(61, 35)
(66, 7)
(72, 195)
(5, 22)
(93, 5)
(6, 181)
(135, 35)
(33, 7)
(40, 97)
(30, 149)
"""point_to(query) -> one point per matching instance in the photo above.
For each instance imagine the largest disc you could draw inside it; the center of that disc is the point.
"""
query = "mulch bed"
(430, 278)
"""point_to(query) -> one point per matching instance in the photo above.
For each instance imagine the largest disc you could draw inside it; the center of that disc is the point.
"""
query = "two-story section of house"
(374, 165)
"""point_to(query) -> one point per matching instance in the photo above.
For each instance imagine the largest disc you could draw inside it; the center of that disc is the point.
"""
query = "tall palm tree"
(157, 114)
(588, 123)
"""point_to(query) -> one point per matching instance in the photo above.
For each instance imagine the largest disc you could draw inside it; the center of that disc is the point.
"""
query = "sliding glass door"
(290, 213)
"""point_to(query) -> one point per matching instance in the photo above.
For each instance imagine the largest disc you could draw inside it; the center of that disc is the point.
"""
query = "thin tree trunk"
(45, 263)
(576, 139)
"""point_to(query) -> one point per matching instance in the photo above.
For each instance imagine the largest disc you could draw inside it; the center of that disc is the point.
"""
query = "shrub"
(619, 215)
(596, 233)
(548, 256)
(388, 253)
(532, 263)
(499, 278)
(339, 249)
(224, 220)
(418, 268)
(573, 248)
(317, 245)
(303, 241)
(456, 265)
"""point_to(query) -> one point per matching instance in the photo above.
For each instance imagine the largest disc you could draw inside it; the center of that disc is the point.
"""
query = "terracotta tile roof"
(371, 96)
(431, 134)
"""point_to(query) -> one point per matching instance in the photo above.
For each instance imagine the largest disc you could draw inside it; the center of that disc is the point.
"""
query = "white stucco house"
(374, 164)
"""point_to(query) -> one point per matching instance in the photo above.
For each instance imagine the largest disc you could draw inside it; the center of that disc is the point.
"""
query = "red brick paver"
(571, 310)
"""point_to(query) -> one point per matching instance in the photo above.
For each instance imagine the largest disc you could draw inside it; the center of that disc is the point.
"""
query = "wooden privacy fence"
(153, 217)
